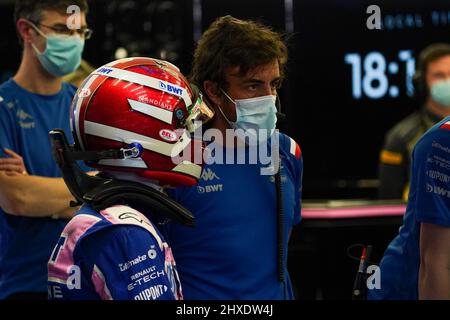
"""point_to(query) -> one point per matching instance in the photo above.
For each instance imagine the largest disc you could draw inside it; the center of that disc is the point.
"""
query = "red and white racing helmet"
(146, 108)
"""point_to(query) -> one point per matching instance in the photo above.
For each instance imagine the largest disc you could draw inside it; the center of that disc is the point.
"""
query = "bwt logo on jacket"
(438, 190)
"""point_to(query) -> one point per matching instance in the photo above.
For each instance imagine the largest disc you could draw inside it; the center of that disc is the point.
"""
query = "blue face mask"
(62, 54)
(254, 113)
(440, 92)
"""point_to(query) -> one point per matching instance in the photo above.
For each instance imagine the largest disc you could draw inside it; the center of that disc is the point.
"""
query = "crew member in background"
(432, 82)
(34, 200)
(416, 264)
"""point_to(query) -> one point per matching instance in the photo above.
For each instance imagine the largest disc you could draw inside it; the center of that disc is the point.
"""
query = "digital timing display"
(348, 84)
(371, 74)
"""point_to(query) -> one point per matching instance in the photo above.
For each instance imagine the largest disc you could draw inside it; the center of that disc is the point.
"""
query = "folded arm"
(35, 196)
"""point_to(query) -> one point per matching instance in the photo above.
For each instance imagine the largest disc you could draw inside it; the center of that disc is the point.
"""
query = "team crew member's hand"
(13, 165)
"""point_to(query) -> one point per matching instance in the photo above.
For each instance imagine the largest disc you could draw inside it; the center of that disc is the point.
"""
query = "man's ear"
(24, 30)
(212, 91)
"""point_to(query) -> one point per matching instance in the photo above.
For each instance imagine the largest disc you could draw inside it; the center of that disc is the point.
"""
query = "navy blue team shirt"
(26, 243)
(429, 202)
(231, 253)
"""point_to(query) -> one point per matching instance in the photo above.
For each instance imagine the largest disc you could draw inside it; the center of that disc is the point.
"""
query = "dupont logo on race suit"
(208, 176)
(152, 293)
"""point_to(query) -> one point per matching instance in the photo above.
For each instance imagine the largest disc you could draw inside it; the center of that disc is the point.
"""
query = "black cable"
(280, 225)
(280, 115)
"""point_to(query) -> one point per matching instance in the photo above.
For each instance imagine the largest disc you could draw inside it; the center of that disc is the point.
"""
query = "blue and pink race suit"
(116, 253)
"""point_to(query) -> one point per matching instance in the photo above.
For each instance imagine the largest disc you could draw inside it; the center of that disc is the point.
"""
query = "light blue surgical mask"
(254, 113)
(440, 92)
(62, 54)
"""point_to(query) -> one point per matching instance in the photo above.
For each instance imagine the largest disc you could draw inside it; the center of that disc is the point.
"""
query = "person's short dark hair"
(32, 9)
(231, 42)
(431, 53)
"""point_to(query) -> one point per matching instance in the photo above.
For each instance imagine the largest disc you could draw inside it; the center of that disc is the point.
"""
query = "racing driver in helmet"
(130, 119)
